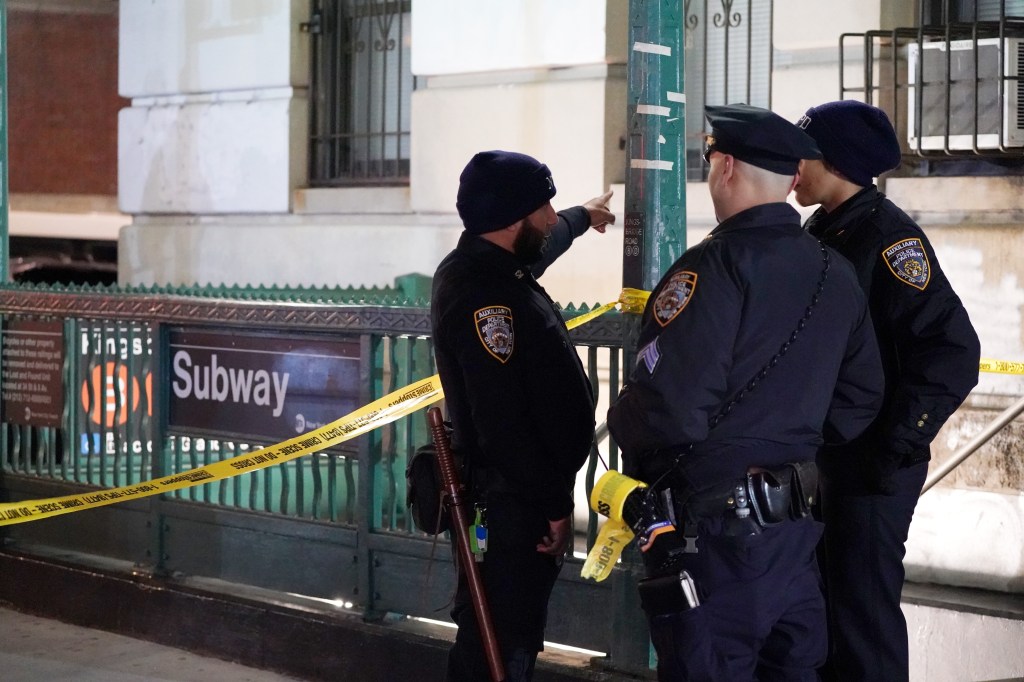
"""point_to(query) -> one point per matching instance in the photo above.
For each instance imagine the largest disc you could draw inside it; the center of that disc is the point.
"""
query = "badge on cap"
(674, 296)
(494, 326)
(909, 262)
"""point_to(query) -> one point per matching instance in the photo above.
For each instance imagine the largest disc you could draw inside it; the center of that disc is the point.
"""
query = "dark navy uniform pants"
(518, 581)
(762, 612)
(864, 546)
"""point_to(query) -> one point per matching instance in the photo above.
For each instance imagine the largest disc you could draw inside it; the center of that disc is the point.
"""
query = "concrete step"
(956, 634)
(959, 634)
(301, 638)
(35, 648)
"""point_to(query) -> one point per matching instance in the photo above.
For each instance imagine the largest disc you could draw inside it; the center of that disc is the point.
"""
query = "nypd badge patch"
(908, 262)
(494, 327)
(674, 296)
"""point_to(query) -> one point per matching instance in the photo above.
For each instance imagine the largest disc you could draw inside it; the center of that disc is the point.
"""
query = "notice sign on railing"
(274, 386)
(30, 378)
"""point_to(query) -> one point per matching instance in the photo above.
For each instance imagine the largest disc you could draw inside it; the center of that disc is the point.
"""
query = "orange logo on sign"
(110, 387)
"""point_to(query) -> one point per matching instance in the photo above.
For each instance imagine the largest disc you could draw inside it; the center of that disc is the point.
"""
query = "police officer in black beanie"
(930, 354)
(520, 403)
(753, 344)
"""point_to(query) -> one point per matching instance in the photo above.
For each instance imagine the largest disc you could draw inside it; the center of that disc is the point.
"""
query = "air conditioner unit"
(961, 85)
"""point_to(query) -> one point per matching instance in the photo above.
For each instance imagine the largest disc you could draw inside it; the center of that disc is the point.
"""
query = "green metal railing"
(331, 525)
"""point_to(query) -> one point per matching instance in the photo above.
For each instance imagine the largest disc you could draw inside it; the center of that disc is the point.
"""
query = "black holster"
(783, 494)
(805, 488)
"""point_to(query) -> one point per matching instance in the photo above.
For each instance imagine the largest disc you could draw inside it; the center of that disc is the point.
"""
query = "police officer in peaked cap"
(520, 403)
(755, 346)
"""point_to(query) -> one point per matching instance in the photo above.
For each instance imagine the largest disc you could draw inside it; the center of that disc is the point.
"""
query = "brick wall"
(62, 102)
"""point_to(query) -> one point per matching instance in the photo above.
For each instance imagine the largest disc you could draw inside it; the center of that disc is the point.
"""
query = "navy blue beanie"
(497, 189)
(855, 138)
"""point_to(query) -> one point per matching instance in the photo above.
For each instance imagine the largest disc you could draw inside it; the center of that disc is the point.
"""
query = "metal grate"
(942, 12)
(360, 92)
(1020, 87)
(728, 59)
(952, 85)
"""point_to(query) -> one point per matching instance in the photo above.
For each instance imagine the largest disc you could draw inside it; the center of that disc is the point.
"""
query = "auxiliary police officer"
(930, 356)
(754, 344)
(521, 406)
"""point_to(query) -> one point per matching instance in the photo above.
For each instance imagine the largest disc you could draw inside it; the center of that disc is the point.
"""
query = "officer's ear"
(504, 237)
(727, 164)
(516, 227)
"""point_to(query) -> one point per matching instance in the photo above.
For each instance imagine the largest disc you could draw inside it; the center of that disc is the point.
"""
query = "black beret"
(497, 189)
(855, 138)
(759, 137)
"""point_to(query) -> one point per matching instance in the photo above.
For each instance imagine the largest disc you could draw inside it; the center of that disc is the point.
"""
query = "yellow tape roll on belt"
(612, 539)
(610, 493)
(608, 498)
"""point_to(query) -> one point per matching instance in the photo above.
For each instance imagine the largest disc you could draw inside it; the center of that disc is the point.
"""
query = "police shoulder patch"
(674, 295)
(649, 356)
(494, 327)
(908, 261)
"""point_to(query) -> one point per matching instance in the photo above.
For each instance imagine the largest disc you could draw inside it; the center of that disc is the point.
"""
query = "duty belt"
(767, 497)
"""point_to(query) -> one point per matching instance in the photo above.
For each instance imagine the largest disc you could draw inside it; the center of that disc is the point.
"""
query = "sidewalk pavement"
(40, 650)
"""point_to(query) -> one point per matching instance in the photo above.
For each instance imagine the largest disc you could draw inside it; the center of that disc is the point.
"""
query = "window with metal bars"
(362, 84)
(952, 85)
(728, 59)
(943, 12)
(360, 92)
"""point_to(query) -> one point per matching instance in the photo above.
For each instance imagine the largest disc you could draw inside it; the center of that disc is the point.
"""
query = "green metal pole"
(4, 234)
(655, 224)
(654, 231)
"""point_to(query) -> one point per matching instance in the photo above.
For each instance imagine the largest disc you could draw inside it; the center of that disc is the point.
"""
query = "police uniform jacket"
(929, 348)
(517, 394)
(714, 321)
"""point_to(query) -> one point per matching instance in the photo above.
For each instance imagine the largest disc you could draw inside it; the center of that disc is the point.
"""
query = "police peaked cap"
(497, 189)
(759, 137)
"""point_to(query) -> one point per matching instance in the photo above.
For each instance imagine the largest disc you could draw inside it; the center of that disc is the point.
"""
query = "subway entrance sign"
(274, 386)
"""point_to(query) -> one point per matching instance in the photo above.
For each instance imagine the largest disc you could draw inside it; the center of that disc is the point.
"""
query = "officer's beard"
(530, 243)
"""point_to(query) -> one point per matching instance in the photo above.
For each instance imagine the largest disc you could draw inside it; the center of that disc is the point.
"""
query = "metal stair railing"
(982, 437)
(958, 458)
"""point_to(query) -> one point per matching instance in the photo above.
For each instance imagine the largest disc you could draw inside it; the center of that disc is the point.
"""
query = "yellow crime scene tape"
(1001, 366)
(378, 413)
(607, 498)
(383, 411)
(634, 301)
